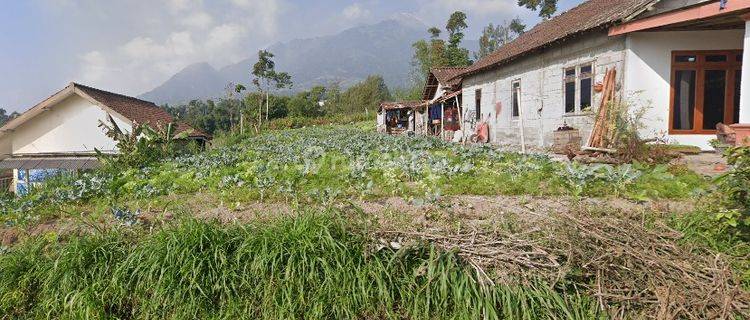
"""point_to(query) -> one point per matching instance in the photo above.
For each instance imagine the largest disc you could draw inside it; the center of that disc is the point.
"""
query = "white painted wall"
(648, 69)
(68, 126)
(745, 92)
(542, 100)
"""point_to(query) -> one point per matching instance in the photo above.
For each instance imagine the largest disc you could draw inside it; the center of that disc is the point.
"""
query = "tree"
(267, 78)
(366, 95)
(493, 37)
(456, 55)
(546, 8)
(434, 52)
(308, 103)
(238, 89)
(5, 117)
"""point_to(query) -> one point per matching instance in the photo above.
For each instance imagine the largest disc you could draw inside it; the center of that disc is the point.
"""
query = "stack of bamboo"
(603, 132)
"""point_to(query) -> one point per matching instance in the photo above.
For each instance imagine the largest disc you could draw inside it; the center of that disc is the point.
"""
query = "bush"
(734, 189)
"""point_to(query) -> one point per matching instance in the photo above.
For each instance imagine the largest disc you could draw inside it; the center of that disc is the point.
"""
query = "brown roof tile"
(137, 110)
(586, 16)
(448, 76)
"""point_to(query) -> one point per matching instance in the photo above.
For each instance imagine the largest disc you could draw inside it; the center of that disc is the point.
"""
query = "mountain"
(347, 58)
(196, 81)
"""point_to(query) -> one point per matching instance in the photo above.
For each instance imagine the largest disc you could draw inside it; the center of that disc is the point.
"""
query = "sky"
(132, 46)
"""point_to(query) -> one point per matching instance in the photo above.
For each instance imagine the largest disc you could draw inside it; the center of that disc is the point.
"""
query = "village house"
(62, 133)
(681, 61)
(436, 114)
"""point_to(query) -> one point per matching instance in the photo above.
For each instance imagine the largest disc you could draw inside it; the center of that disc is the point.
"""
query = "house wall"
(648, 75)
(68, 126)
(541, 75)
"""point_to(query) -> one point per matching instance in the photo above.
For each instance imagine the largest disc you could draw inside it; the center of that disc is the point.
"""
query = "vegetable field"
(351, 224)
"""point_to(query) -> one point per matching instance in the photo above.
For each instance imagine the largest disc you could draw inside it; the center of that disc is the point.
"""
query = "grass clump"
(314, 266)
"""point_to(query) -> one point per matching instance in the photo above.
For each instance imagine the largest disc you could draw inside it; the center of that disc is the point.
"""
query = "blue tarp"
(435, 112)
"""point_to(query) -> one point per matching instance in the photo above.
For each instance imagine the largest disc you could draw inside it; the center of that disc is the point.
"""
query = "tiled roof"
(589, 15)
(137, 110)
(448, 76)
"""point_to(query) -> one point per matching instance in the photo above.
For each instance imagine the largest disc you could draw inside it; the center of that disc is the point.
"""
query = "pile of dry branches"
(630, 268)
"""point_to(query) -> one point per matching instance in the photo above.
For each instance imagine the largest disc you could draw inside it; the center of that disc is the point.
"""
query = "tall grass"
(308, 267)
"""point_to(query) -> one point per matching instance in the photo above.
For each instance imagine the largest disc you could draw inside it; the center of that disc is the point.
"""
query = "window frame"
(478, 104)
(513, 101)
(731, 66)
(577, 108)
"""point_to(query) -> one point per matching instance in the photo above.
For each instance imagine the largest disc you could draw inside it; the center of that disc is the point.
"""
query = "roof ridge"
(75, 84)
(599, 13)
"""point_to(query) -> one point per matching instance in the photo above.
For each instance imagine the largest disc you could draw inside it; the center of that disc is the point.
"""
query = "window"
(705, 90)
(478, 103)
(516, 88)
(570, 90)
(585, 79)
(577, 88)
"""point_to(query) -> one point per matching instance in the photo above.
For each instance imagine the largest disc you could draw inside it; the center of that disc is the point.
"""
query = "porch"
(687, 66)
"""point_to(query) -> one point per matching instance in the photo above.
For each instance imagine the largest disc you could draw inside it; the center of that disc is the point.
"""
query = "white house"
(681, 60)
(62, 133)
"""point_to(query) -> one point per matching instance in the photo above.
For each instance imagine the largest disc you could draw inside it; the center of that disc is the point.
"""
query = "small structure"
(62, 132)
(443, 95)
(400, 117)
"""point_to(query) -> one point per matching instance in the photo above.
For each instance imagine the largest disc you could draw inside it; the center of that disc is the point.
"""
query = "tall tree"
(546, 8)
(495, 36)
(435, 52)
(238, 88)
(267, 78)
(456, 55)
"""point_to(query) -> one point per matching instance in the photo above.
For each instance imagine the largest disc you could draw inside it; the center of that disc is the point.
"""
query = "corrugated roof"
(69, 163)
(401, 105)
(589, 15)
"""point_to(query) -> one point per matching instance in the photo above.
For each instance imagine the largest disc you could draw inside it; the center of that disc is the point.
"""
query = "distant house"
(400, 117)
(684, 60)
(62, 133)
(438, 110)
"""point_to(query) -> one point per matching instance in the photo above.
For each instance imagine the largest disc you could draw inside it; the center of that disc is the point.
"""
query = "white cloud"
(355, 11)
(476, 7)
(94, 67)
(188, 32)
(224, 35)
(199, 20)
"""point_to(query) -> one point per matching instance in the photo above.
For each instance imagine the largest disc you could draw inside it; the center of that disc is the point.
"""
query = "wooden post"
(28, 181)
(442, 120)
(520, 118)
(461, 121)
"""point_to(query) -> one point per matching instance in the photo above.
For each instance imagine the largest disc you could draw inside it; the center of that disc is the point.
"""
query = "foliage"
(365, 96)
(734, 186)
(493, 37)
(266, 78)
(208, 116)
(5, 117)
(457, 56)
(142, 145)
(546, 8)
(308, 103)
(315, 266)
(349, 163)
(435, 52)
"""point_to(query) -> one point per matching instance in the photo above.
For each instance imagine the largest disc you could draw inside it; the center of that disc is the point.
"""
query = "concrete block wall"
(541, 75)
